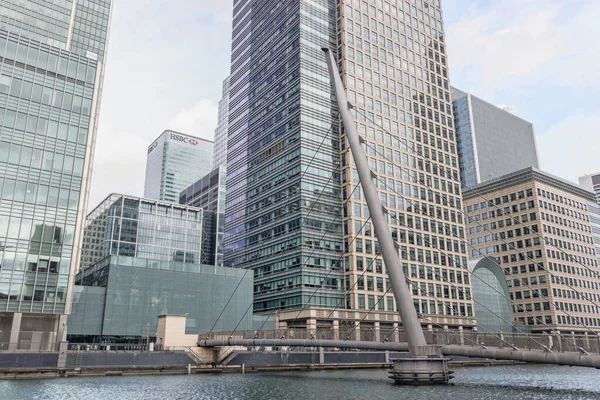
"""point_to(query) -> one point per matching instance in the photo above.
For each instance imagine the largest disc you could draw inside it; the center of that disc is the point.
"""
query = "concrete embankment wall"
(95, 359)
(28, 360)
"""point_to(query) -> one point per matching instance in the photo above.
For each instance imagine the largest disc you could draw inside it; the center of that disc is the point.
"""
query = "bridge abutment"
(427, 366)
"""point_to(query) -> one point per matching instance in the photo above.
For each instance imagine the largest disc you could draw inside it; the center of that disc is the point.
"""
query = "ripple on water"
(522, 382)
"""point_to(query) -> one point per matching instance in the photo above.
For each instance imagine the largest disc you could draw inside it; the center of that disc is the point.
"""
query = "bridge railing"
(557, 343)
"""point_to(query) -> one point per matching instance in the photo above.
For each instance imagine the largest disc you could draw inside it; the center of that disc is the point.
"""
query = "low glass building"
(493, 307)
(134, 227)
(120, 299)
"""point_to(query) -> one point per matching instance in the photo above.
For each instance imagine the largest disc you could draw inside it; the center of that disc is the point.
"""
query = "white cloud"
(200, 120)
(570, 148)
(120, 157)
(524, 43)
(119, 164)
(163, 59)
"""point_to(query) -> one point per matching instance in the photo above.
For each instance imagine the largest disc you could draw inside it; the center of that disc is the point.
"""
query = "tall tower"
(279, 222)
(174, 162)
(492, 142)
(393, 62)
(52, 57)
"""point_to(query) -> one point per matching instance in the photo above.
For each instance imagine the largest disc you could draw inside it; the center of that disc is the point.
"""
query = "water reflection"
(489, 383)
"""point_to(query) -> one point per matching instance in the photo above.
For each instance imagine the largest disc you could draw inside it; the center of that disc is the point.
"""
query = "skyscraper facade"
(491, 141)
(393, 60)
(220, 152)
(174, 162)
(52, 57)
(281, 112)
(392, 57)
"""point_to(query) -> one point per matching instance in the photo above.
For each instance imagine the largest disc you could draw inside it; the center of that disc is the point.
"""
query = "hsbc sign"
(152, 147)
(184, 139)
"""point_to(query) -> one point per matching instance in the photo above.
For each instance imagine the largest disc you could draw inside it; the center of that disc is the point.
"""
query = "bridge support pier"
(420, 371)
(426, 367)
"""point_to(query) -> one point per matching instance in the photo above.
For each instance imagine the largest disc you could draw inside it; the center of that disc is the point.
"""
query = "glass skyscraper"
(174, 162)
(280, 111)
(52, 57)
(154, 257)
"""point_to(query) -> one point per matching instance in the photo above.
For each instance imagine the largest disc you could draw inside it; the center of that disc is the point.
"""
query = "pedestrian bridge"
(558, 349)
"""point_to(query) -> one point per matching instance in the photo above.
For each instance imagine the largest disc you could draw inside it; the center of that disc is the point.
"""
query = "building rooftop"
(527, 175)
(461, 93)
(111, 198)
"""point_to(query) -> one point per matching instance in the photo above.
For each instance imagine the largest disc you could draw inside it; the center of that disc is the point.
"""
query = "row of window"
(561, 199)
(28, 192)
(559, 255)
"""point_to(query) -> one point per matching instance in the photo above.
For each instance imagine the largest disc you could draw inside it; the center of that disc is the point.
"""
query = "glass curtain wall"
(281, 109)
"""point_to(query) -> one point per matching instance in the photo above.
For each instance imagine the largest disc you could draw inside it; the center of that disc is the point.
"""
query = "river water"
(522, 382)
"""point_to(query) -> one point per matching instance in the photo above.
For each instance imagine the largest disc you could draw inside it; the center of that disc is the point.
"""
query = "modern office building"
(52, 58)
(491, 141)
(394, 65)
(174, 162)
(220, 151)
(209, 195)
(145, 228)
(537, 227)
(298, 237)
(119, 299)
(280, 111)
(143, 258)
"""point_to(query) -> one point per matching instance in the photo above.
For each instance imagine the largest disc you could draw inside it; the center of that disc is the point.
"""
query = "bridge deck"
(578, 359)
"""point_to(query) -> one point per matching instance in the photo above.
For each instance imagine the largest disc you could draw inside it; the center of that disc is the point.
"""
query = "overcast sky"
(167, 59)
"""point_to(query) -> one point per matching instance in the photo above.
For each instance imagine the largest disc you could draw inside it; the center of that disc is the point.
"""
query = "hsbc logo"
(184, 139)
(152, 147)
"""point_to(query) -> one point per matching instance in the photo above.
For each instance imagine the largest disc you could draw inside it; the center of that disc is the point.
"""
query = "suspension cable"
(302, 224)
(489, 202)
(328, 273)
(473, 275)
(227, 304)
(583, 295)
